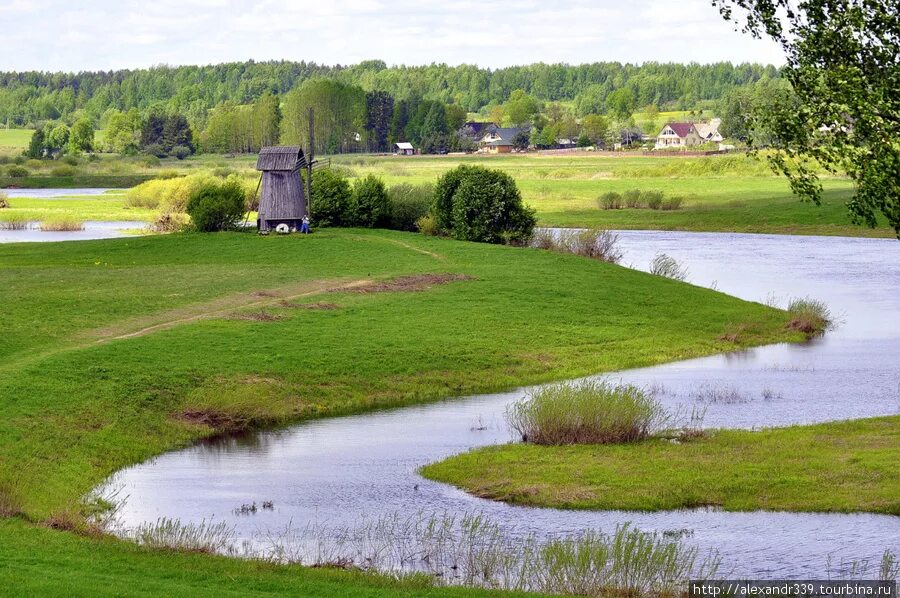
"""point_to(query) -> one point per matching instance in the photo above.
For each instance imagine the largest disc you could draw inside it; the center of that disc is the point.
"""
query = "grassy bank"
(115, 351)
(110, 206)
(834, 467)
(716, 193)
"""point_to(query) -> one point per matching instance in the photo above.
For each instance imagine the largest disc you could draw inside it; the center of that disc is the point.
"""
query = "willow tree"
(843, 63)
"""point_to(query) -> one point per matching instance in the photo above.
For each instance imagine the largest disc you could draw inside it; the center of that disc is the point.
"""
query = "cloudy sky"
(109, 34)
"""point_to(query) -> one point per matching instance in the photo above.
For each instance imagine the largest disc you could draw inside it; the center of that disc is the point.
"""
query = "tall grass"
(588, 412)
(595, 243)
(408, 204)
(810, 316)
(637, 198)
(471, 550)
(4, 200)
(667, 267)
(61, 224)
(195, 537)
(13, 221)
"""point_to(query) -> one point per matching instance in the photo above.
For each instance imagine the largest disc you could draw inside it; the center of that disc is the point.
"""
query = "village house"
(404, 148)
(681, 135)
(500, 140)
(477, 130)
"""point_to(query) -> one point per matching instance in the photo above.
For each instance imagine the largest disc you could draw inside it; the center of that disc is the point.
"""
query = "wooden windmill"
(283, 202)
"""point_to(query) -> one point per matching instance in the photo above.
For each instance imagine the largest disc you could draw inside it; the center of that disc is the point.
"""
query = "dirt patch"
(412, 283)
(319, 305)
(256, 316)
(218, 421)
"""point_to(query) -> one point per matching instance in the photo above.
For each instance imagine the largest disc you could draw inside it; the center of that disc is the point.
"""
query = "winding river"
(347, 470)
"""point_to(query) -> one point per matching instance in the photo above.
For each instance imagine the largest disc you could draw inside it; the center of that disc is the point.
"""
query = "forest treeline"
(27, 98)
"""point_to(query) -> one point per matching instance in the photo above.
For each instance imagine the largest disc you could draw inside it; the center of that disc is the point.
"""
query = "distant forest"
(28, 98)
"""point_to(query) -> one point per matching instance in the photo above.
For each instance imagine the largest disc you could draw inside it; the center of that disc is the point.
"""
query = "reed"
(61, 224)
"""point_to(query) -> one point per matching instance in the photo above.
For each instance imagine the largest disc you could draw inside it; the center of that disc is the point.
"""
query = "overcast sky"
(56, 35)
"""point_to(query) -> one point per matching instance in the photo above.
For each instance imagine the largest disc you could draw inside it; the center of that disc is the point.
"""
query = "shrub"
(610, 201)
(588, 412)
(169, 222)
(654, 200)
(216, 205)
(331, 201)
(155, 149)
(149, 161)
(180, 152)
(427, 225)
(633, 198)
(71, 160)
(409, 203)
(598, 244)
(13, 221)
(666, 266)
(63, 170)
(170, 194)
(544, 238)
(17, 172)
(673, 203)
(809, 316)
(61, 223)
(4, 200)
(35, 164)
(370, 207)
(484, 205)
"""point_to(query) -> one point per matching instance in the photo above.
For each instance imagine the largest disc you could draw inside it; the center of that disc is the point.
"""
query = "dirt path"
(432, 254)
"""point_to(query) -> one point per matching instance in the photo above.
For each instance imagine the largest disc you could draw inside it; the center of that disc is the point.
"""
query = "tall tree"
(843, 63)
(379, 115)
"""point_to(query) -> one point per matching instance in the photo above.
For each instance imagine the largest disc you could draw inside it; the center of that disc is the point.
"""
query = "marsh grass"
(667, 267)
(205, 536)
(809, 316)
(597, 243)
(13, 221)
(652, 199)
(61, 223)
(4, 200)
(471, 550)
(588, 412)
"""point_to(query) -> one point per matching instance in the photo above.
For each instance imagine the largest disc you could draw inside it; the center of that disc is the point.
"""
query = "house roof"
(506, 135)
(404, 145)
(285, 157)
(479, 127)
(681, 129)
(708, 130)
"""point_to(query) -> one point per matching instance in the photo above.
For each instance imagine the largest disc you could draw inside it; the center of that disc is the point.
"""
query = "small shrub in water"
(543, 238)
(809, 316)
(61, 224)
(13, 221)
(4, 200)
(589, 412)
(667, 267)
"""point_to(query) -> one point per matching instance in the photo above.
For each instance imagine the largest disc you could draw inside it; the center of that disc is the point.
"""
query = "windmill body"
(282, 199)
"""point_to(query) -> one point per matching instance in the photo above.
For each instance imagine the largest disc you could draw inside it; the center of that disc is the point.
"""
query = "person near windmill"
(304, 224)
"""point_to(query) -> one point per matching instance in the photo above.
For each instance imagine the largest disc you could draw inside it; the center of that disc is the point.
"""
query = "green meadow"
(115, 351)
(717, 193)
(834, 467)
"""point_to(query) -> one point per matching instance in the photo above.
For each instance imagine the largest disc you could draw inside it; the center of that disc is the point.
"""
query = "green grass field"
(13, 141)
(719, 193)
(111, 348)
(836, 467)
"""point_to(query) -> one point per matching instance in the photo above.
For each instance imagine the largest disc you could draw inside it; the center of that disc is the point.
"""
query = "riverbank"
(842, 467)
(116, 351)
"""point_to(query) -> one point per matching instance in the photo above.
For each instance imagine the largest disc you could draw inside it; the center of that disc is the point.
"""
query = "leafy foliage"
(474, 203)
(216, 205)
(409, 203)
(371, 207)
(843, 68)
(332, 199)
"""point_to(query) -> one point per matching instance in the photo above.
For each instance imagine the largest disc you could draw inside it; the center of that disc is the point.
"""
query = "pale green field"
(13, 141)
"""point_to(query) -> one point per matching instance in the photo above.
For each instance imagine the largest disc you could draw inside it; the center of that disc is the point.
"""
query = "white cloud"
(105, 34)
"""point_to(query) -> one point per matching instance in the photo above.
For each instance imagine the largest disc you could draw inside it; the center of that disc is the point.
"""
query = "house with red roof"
(678, 135)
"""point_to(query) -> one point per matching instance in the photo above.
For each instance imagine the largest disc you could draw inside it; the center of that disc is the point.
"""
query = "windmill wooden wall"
(282, 200)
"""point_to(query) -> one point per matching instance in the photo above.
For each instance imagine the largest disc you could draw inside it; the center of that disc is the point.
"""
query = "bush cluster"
(636, 198)
(473, 203)
(17, 172)
(217, 205)
(409, 203)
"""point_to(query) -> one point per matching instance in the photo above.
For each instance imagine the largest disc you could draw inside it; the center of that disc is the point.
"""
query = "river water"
(345, 471)
(93, 229)
(59, 193)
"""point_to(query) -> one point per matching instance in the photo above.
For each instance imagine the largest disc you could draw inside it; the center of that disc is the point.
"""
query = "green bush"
(332, 199)
(371, 207)
(180, 152)
(216, 205)
(588, 412)
(427, 225)
(610, 200)
(484, 205)
(17, 172)
(71, 160)
(63, 170)
(409, 203)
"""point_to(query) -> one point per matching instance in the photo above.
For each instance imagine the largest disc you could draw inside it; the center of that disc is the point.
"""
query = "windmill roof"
(285, 157)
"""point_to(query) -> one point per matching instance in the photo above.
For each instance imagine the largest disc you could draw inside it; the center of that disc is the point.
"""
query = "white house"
(404, 148)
